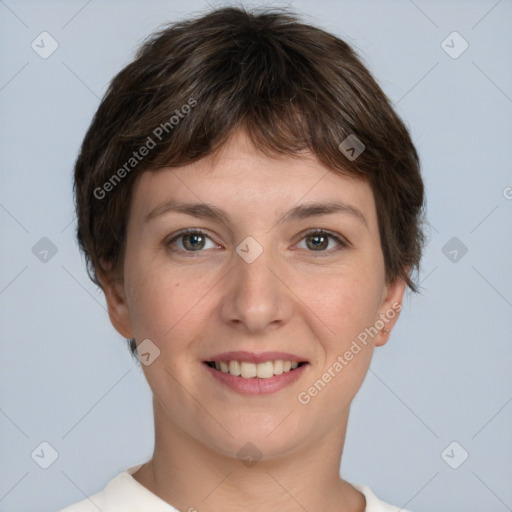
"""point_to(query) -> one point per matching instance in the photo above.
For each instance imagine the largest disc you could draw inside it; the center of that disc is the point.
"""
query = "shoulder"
(122, 494)
(374, 504)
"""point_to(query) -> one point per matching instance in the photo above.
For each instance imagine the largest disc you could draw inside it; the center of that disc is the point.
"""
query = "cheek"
(165, 302)
(347, 301)
(347, 310)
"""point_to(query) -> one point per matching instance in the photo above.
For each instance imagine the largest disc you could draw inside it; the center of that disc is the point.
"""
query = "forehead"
(241, 178)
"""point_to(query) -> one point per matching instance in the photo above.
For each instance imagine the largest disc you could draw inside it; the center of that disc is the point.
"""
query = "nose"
(256, 296)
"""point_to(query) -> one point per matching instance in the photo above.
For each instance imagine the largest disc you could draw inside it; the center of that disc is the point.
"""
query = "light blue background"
(66, 375)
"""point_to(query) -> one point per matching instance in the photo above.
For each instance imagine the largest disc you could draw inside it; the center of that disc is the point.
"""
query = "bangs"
(253, 79)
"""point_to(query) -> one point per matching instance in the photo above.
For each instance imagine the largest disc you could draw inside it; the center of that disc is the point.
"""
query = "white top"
(124, 494)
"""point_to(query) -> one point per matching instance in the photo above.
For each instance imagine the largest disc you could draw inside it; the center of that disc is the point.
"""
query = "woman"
(251, 206)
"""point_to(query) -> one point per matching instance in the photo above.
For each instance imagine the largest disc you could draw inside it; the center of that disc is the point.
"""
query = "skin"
(294, 297)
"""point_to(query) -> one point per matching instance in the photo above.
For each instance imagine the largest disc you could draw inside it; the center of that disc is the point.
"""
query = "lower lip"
(257, 386)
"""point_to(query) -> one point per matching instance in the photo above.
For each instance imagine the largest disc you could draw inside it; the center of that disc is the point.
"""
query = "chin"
(257, 443)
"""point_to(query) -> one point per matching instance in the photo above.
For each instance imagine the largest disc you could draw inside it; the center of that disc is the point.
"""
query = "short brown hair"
(291, 86)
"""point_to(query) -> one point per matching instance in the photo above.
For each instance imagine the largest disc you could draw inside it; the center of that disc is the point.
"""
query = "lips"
(254, 385)
(252, 357)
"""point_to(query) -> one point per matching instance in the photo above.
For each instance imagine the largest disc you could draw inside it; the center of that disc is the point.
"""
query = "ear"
(390, 309)
(113, 288)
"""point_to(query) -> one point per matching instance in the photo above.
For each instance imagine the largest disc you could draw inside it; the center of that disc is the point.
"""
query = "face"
(266, 279)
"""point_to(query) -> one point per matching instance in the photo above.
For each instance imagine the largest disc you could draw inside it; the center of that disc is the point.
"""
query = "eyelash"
(193, 231)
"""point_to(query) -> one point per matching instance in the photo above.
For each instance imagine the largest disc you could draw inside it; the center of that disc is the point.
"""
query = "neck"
(190, 476)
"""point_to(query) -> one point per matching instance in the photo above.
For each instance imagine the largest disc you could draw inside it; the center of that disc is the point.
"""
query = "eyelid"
(320, 231)
(187, 231)
(343, 242)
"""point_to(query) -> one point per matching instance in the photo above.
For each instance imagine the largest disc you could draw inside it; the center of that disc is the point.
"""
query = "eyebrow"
(303, 211)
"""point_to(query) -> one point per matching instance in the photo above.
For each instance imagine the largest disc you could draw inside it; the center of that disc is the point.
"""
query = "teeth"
(265, 370)
(234, 368)
(260, 370)
(247, 370)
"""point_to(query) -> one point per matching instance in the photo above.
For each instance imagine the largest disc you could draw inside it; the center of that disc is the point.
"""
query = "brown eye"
(192, 240)
(319, 240)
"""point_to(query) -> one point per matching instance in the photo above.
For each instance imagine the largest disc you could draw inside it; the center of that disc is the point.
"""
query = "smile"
(249, 370)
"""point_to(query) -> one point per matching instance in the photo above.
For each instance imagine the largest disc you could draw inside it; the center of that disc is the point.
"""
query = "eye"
(318, 240)
(192, 240)
(195, 240)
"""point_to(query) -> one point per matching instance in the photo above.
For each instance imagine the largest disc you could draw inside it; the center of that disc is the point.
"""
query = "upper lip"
(251, 357)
